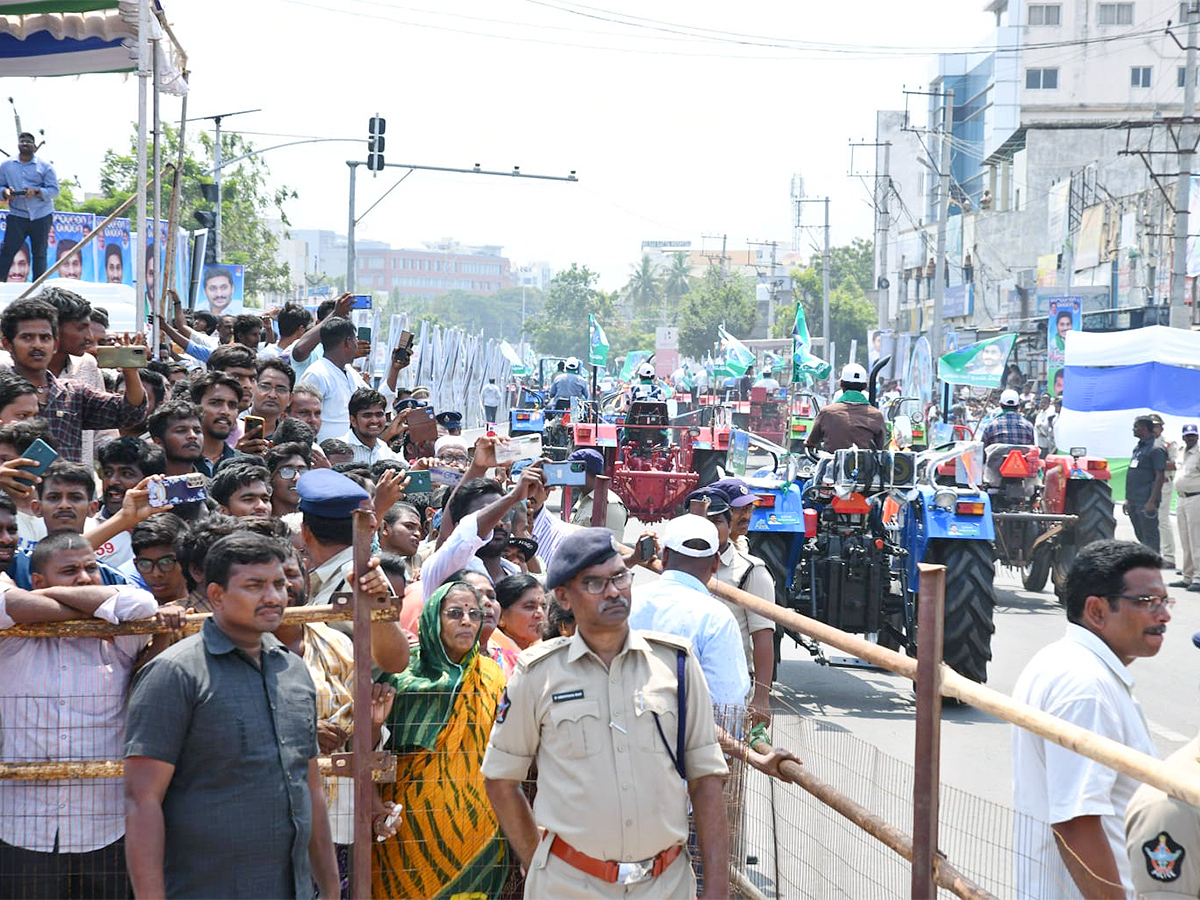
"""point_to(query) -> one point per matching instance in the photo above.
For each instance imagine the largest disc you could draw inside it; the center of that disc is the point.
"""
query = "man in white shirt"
(491, 398)
(679, 603)
(1070, 836)
(368, 419)
(334, 377)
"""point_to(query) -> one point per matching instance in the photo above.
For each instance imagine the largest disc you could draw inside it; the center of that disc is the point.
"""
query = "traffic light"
(375, 142)
(208, 219)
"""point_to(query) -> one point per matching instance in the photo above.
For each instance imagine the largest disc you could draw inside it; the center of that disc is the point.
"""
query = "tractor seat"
(648, 413)
(995, 456)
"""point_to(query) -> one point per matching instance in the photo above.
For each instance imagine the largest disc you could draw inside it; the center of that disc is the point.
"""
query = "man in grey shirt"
(223, 795)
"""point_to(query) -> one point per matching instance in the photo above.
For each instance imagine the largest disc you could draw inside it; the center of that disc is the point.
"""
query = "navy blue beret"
(449, 419)
(583, 548)
(717, 501)
(593, 459)
(330, 494)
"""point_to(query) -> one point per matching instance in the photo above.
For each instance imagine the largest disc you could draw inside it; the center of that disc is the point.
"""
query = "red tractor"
(652, 463)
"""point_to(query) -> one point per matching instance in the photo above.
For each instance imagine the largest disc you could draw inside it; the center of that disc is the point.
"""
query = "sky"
(683, 119)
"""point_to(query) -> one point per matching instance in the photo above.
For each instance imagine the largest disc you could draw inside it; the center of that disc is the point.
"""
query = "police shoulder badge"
(502, 709)
(1164, 858)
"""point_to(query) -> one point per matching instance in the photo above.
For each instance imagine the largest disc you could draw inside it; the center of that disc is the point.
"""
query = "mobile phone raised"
(364, 333)
(445, 476)
(421, 426)
(528, 446)
(419, 482)
(405, 342)
(176, 489)
(572, 473)
(130, 356)
(42, 454)
(646, 548)
(255, 425)
(361, 301)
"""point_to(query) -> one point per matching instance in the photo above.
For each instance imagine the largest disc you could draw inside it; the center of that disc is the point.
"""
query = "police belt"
(615, 872)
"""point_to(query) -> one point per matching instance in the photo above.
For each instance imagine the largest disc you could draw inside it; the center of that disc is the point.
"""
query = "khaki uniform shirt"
(1163, 835)
(735, 566)
(616, 516)
(606, 783)
(1187, 470)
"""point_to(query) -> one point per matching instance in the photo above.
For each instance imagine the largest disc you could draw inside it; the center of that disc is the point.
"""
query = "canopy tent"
(1110, 378)
(75, 37)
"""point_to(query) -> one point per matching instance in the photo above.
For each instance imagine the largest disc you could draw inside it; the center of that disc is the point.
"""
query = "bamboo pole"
(96, 628)
(115, 768)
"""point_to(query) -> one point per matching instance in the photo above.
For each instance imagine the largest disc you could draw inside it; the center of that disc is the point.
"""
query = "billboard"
(1066, 315)
(222, 290)
(114, 253)
(66, 230)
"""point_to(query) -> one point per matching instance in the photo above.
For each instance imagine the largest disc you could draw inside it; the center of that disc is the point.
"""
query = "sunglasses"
(457, 614)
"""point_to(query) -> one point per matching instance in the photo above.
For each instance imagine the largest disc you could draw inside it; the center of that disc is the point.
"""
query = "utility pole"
(939, 276)
(825, 286)
(350, 260)
(217, 166)
(1180, 316)
(883, 188)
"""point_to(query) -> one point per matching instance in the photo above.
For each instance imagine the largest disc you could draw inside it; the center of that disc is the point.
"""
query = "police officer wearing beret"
(621, 727)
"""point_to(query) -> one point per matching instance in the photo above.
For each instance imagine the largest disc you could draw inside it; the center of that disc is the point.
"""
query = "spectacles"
(1150, 602)
(273, 388)
(163, 564)
(287, 473)
(456, 614)
(594, 585)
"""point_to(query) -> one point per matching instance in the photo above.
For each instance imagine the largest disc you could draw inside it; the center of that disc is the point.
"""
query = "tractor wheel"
(970, 603)
(1037, 570)
(1092, 502)
(704, 464)
(774, 549)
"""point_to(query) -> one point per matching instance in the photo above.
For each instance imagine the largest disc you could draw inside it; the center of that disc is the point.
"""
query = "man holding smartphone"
(30, 333)
(29, 185)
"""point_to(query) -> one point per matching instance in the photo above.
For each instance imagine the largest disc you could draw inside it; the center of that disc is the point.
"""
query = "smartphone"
(419, 482)
(528, 446)
(405, 342)
(646, 548)
(361, 301)
(131, 356)
(364, 333)
(444, 476)
(421, 425)
(190, 488)
(42, 454)
(255, 426)
(572, 473)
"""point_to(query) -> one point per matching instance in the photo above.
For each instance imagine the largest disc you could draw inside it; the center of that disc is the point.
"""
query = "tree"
(851, 314)
(496, 315)
(720, 298)
(644, 289)
(248, 201)
(678, 278)
(562, 329)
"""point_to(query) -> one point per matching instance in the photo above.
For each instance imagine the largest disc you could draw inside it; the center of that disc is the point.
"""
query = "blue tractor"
(844, 535)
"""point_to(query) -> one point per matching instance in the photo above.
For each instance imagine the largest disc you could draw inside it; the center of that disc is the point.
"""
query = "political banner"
(19, 268)
(1066, 315)
(221, 290)
(737, 357)
(597, 343)
(67, 229)
(976, 365)
(806, 368)
(918, 377)
(115, 254)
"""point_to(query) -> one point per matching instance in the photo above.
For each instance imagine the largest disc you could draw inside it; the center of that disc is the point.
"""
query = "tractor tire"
(774, 549)
(1092, 502)
(705, 463)
(1037, 571)
(970, 604)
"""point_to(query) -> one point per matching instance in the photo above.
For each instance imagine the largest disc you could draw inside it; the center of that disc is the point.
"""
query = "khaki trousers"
(1187, 514)
(1166, 540)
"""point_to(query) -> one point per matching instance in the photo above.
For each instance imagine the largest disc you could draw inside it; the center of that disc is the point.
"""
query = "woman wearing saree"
(448, 841)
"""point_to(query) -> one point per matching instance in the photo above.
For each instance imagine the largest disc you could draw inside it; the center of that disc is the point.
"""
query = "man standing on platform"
(29, 185)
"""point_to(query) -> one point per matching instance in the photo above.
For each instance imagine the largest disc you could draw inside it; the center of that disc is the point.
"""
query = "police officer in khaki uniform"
(1162, 835)
(620, 749)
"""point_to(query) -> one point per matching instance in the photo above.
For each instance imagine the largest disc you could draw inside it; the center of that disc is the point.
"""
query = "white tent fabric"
(37, 41)
(1173, 346)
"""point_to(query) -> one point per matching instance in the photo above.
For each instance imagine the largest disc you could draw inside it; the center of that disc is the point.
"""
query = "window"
(1139, 77)
(1045, 14)
(1041, 79)
(1114, 14)
(1180, 76)
(1184, 9)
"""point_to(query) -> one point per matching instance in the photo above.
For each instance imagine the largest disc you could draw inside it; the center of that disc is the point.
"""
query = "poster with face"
(1066, 315)
(19, 269)
(222, 290)
(115, 253)
(67, 229)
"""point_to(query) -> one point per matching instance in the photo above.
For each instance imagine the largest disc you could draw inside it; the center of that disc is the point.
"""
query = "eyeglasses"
(163, 564)
(1151, 603)
(287, 473)
(594, 585)
(456, 614)
(273, 388)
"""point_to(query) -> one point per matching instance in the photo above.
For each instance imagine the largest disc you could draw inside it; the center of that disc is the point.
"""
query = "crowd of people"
(222, 478)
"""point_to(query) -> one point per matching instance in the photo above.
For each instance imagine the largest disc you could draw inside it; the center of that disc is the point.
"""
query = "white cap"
(691, 528)
(1010, 398)
(853, 373)
(646, 371)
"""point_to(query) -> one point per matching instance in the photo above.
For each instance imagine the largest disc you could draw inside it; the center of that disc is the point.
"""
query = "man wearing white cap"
(679, 603)
(1187, 507)
(1010, 427)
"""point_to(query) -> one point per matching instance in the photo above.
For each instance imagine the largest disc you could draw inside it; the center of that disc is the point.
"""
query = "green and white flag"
(978, 365)
(597, 343)
(737, 357)
(806, 368)
(517, 367)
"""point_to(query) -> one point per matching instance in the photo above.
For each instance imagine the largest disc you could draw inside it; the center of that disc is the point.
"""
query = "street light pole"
(350, 261)
(217, 166)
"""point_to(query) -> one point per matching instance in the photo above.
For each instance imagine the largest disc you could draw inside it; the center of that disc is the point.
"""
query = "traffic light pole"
(351, 261)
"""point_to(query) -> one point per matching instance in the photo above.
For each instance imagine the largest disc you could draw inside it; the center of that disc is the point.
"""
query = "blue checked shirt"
(1007, 428)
